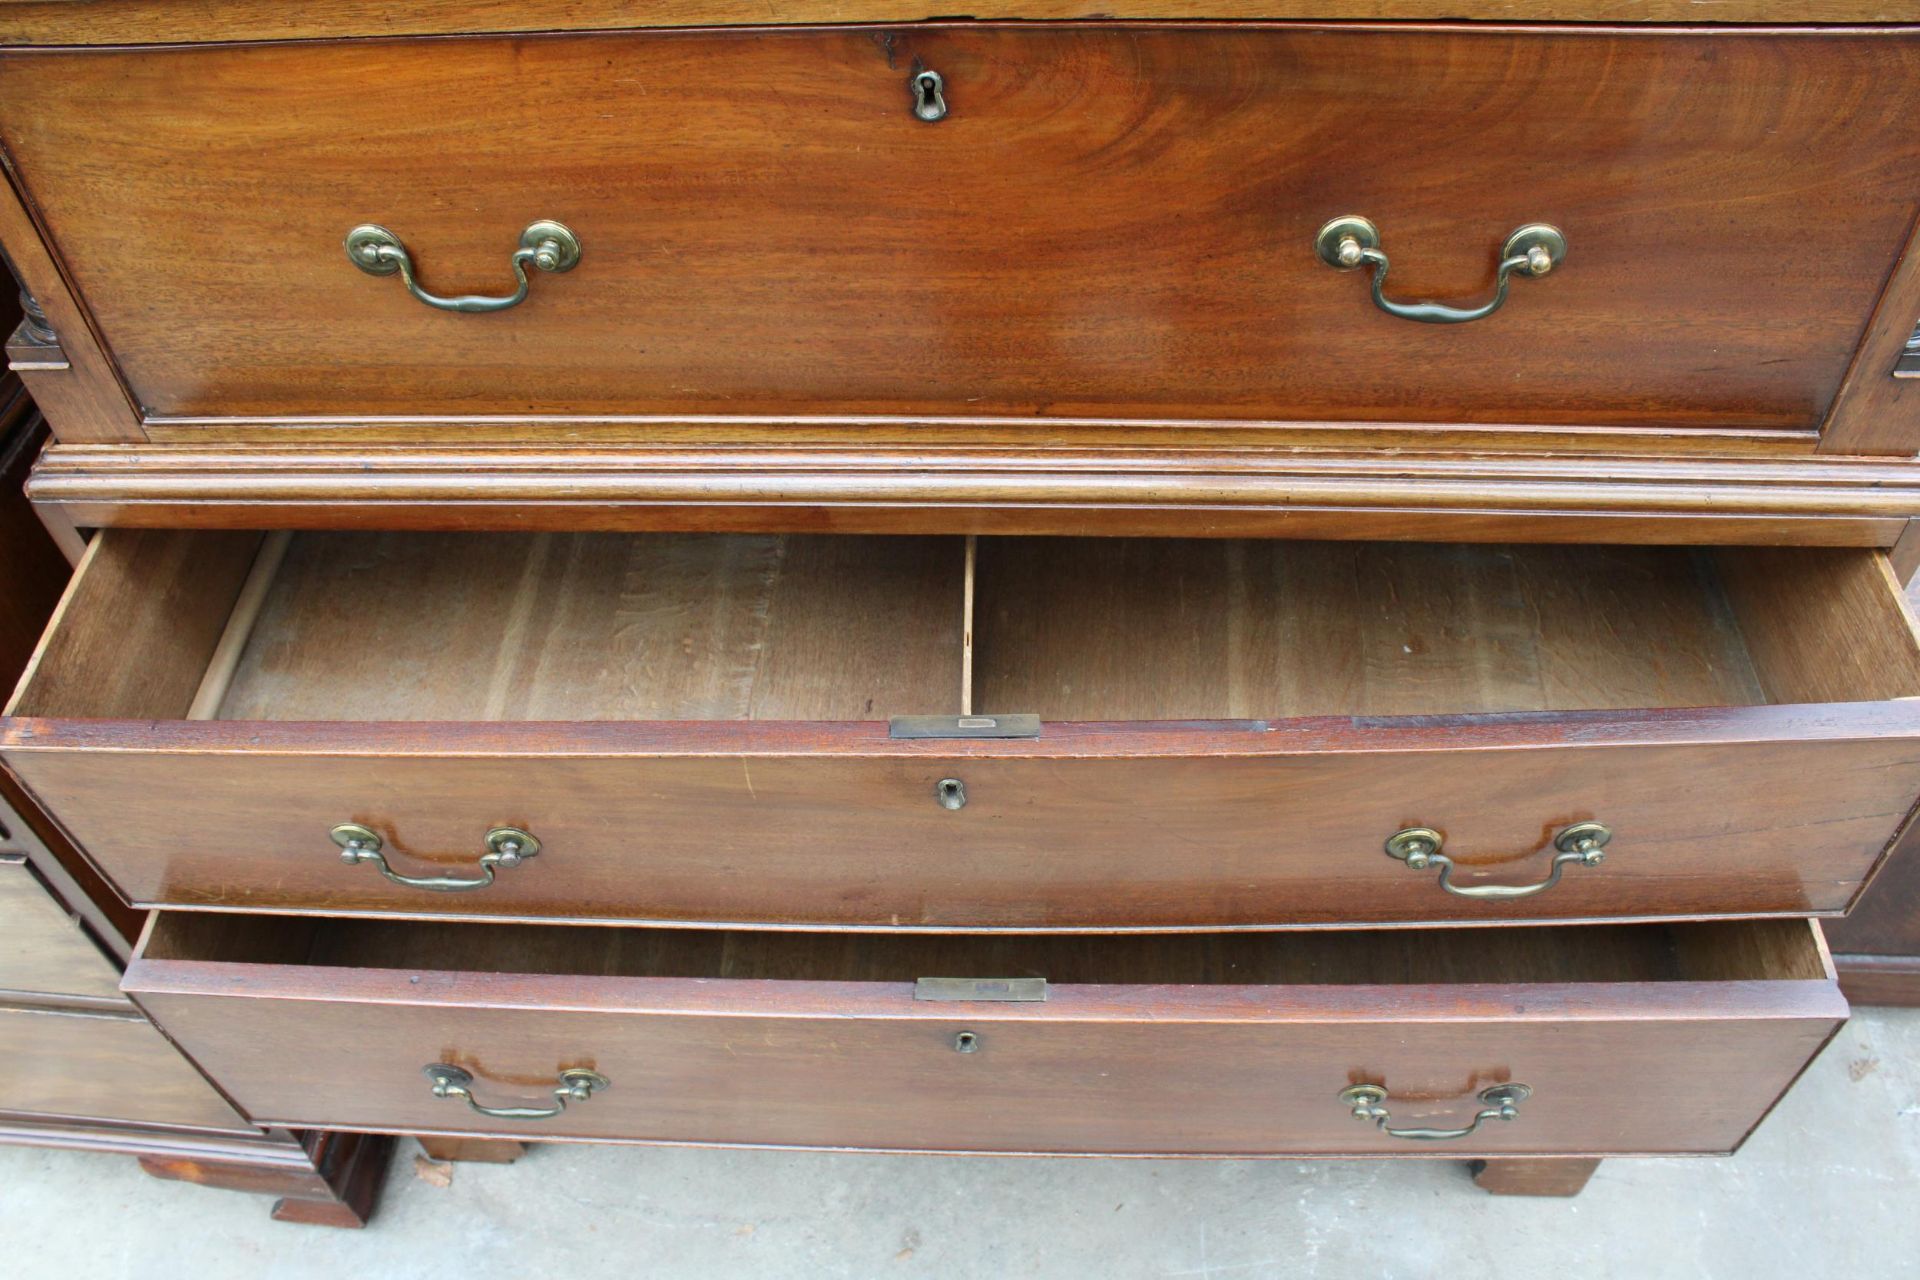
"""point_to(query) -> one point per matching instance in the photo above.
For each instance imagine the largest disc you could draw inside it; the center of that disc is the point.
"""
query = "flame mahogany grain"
(1115, 222)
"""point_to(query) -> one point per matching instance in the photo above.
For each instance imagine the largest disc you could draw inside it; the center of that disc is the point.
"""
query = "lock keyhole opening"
(929, 104)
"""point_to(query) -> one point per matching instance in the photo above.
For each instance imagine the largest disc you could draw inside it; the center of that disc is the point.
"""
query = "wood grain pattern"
(471, 1150)
(217, 677)
(104, 22)
(1236, 824)
(1169, 629)
(1876, 412)
(33, 577)
(968, 609)
(308, 1168)
(1381, 491)
(1887, 919)
(42, 948)
(1867, 979)
(114, 925)
(1904, 554)
(821, 1054)
(1533, 1177)
(606, 627)
(148, 609)
(1877, 947)
(66, 534)
(320, 1178)
(115, 1084)
(1869, 644)
(86, 397)
(1759, 952)
(1489, 692)
(104, 1066)
(758, 263)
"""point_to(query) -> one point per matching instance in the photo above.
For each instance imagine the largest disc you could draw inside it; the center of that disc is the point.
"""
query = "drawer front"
(1613, 1067)
(103, 1067)
(1107, 223)
(42, 947)
(1738, 811)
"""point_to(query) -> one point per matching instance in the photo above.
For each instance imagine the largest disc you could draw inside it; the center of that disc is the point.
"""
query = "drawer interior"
(1151, 629)
(604, 627)
(396, 626)
(1769, 950)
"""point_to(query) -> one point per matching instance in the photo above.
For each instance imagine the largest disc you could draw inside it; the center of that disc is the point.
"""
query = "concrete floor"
(1828, 1187)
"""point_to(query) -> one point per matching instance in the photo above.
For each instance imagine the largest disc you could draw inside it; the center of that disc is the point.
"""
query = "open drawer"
(695, 729)
(1626, 1039)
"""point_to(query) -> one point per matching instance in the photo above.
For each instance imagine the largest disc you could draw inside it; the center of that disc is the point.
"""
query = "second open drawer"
(695, 729)
(1598, 1040)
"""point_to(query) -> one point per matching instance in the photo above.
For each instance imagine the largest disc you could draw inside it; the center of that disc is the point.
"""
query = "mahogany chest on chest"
(1212, 579)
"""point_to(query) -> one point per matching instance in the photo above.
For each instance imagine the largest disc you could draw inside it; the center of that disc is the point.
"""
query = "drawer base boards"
(320, 1179)
(1880, 980)
(1551, 1176)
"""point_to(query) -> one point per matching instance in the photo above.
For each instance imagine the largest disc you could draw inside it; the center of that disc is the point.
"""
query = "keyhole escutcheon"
(929, 95)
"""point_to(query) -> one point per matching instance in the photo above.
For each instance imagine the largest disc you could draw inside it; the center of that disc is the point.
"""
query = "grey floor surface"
(1830, 1186)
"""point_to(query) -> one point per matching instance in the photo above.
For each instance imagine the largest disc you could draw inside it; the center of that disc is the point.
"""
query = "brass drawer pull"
(576, 1085)
(506, 847)
(1352, 241)
(1500, 1102)
(547, 245)
(929, 95)
(1419, 848)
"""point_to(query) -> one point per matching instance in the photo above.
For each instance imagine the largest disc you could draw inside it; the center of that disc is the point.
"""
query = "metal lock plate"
(1015, 726)
(1001, 989)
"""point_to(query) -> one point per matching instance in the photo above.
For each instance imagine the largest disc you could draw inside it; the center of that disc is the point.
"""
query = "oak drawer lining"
(637, 627)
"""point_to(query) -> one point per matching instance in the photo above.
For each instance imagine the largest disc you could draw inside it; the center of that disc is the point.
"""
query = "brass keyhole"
(966, 1042)
(952, 793)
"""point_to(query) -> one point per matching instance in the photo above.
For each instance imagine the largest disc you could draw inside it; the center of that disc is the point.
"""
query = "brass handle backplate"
(548, 246)
(1499, 1102)
(506, 847)
(575, 1085)
(1352, 241)
(1419, 848)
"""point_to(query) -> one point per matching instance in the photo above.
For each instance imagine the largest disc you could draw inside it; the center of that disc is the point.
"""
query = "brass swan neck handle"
(1498, 1102)
(1583, 843)
(575, 1085)
(1351, 241)
(547, 246)
(506, 847)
